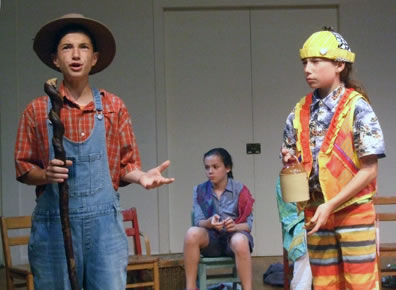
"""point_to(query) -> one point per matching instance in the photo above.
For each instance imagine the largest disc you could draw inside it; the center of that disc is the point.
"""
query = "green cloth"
(293, 231)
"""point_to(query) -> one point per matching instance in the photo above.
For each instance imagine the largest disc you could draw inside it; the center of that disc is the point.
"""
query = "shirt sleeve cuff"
(125, 170)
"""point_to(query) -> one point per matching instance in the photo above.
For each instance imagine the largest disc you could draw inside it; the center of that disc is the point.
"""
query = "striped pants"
(343, 252)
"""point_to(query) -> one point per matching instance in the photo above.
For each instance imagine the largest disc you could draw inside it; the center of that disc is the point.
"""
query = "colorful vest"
(338, 161)
(205, 201)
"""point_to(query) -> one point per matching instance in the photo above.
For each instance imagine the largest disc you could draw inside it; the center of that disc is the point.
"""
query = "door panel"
(208, 89)
(232, 76)
(278, 83)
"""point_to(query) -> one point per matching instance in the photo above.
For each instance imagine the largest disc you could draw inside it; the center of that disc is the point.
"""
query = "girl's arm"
(366, 174)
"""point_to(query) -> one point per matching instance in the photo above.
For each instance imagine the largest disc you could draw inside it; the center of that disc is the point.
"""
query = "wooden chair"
(223, 263)
(287, 270)
(139, 261)
(20, 272)
(385, 250)
(206, 264)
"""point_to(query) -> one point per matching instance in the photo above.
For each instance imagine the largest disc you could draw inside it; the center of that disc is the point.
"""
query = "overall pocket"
(86, 175)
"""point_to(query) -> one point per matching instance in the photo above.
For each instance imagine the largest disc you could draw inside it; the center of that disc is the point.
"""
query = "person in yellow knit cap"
(335, 134)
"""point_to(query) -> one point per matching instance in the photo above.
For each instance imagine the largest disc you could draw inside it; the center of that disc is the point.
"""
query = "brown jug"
(294, 183)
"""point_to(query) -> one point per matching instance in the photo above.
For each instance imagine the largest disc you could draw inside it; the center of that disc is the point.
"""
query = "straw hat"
(44, 41)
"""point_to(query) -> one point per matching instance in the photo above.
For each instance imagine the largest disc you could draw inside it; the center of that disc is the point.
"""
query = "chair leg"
(10, 282)
(29, 282)
(202, 277)
(156, 276)
(286, 271)
(234, 274)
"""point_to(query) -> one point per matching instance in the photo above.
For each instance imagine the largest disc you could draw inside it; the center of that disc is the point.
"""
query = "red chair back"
(133, 231)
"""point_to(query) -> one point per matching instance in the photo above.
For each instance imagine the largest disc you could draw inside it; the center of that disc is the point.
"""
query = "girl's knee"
(195, 235)
(240, 244)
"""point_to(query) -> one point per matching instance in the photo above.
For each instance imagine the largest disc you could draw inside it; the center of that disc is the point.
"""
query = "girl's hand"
(320, 217)
(55, 172)
(216, 223)
(287, 156)
(230, 225)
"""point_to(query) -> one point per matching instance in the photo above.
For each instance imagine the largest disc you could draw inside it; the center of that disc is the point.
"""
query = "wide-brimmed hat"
(104, 41)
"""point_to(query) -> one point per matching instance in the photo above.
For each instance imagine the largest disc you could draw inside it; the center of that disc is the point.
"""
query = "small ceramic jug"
(294, 183)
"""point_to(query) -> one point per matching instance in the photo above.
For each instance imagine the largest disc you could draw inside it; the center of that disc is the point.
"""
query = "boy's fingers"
(164, 165)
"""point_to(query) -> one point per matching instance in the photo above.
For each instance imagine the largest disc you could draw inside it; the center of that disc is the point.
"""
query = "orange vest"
(338, 161)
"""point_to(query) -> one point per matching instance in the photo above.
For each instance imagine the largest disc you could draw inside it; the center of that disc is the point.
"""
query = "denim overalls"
(99, 241)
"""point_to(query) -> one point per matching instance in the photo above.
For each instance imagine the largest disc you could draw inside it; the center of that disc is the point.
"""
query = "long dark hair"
(345, 77)
(224, 156)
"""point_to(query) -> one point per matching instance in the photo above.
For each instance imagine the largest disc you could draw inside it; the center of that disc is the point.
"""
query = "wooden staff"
(57, 142)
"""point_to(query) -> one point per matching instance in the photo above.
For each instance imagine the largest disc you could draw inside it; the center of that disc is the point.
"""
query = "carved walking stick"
(57, 142)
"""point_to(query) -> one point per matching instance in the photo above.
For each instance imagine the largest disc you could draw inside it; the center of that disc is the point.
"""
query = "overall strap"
(98, 103)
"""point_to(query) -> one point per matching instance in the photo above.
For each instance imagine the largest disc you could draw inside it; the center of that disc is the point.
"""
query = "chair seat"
(384, 247)
(20, 271)
(217, 259)
(140, 259)
(217, 262)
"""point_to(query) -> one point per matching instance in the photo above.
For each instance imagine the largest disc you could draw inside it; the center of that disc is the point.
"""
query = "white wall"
(137, 75)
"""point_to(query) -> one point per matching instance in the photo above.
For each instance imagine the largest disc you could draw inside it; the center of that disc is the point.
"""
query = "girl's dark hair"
(72, 28)
(225, 157)
(345, 75)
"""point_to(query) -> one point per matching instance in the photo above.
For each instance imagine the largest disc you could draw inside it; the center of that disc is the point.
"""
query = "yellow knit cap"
(327, 44)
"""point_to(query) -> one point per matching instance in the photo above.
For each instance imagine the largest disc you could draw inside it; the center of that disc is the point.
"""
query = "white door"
(232, 76)
(278, 83)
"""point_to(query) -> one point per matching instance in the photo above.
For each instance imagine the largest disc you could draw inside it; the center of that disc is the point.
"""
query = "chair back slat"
(132, 229)
(385, 212)
(381, 200)
(17, 239)
(19, 222)
(386, 217)
(130, 232)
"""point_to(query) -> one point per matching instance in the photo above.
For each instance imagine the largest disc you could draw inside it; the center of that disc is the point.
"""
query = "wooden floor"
(260, 265)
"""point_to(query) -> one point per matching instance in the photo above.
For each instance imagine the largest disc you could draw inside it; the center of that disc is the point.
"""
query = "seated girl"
(223, 220)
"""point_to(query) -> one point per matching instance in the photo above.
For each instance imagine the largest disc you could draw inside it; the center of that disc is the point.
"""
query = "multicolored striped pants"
(343, 252)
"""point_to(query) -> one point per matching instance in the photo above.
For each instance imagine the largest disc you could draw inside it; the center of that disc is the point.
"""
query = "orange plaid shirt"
(31, 148)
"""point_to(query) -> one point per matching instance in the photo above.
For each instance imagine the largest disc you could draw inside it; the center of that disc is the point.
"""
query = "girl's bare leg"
(195, 239)
(240, 247)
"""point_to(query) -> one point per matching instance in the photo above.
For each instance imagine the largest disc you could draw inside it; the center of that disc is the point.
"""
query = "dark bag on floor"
(274, 275)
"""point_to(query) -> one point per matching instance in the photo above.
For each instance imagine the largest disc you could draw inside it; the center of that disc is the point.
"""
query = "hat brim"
(105, 44)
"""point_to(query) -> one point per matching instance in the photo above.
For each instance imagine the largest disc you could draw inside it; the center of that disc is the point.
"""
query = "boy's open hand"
(153, 178)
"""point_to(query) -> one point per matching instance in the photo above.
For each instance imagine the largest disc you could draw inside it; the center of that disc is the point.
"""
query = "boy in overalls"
(101, 151)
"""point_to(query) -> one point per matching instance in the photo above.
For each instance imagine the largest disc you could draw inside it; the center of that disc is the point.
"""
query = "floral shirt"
(367, 133)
